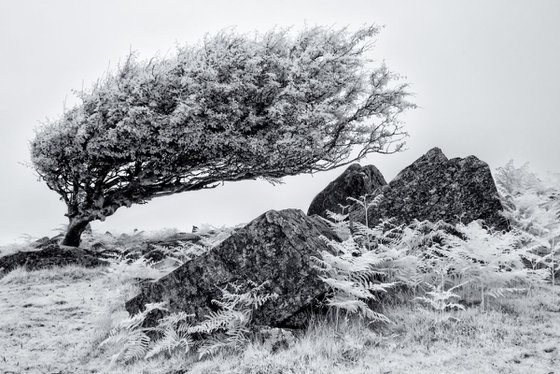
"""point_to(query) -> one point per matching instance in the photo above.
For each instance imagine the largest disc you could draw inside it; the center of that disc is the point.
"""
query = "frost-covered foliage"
(226, 329)
(129, 339)
(230, 108)
(355, 273)
(490, 262)
(441, 299)
(473, 260)
(438, 264)
(174, 248)
(533, 206)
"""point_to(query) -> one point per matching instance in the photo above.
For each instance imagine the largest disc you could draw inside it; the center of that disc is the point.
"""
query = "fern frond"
(502, 292)
(137, 347)
(212, 347)
(172, 340)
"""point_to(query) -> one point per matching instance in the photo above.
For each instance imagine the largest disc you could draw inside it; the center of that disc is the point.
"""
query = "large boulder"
(49, 256)
(355, 182)
(435, 188)
(275, 248)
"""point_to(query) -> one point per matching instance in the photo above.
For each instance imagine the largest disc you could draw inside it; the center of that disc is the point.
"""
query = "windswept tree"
(231, 108)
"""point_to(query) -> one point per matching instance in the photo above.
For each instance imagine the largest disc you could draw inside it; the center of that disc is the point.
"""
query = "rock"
(275, 248)
(40, 242)
(355, 182)
(50, 256)
(434, 188)
(155, 255)
(46, 241)
(98, 247)
(275, 339)
(159, 249)
(177, 237)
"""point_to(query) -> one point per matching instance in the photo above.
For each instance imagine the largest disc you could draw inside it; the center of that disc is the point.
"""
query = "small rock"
(275, 339)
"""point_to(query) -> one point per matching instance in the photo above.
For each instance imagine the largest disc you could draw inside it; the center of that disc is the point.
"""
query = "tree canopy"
(230, 108)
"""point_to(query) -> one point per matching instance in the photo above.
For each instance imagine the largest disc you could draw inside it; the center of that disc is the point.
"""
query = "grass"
(64, 313)
(9, 249)
(53, 320)
(71, 273)
(518, 335)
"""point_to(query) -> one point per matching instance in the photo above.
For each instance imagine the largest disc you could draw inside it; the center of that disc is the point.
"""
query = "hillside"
(292, 293)
(65, 313)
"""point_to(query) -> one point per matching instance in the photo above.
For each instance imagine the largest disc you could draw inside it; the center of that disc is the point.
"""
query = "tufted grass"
(52, 321)
(66, 312)
(70, 273)
(517, 335)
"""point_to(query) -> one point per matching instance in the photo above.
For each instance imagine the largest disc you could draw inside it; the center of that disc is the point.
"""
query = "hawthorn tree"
(233, 107)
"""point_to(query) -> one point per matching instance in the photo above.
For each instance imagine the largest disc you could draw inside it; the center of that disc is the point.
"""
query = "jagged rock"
(275, 248)
(50, 256)
(435, 188)
(355, 182)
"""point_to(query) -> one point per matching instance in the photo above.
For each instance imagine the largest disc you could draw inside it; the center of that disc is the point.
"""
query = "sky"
(485, 75)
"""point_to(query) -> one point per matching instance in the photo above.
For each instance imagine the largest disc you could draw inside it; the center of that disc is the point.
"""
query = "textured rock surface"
(356, 181)
(434, 188)
(151, 249)
(51, 255)
(275, 247)
(275, 339)
(46, 241)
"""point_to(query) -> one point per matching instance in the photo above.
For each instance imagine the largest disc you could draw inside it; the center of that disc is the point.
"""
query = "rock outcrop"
(157, 250)
(50, 255)
(355, 182)
(435, 188)
(275, 248)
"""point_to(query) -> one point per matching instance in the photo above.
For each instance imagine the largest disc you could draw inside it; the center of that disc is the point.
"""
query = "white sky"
(486, 75)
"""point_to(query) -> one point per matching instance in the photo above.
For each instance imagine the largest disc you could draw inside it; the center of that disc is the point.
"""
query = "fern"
(352, 270)
(486, 260)
(338, 223)
(228, 327)
(175, 336)
(225, 329)
(129, 338)
(441, 299)
(533, 206)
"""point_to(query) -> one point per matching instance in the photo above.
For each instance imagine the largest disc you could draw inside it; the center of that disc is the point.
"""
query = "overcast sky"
(485, 75)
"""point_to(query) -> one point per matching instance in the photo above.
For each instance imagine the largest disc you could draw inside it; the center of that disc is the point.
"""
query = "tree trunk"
(74, 232)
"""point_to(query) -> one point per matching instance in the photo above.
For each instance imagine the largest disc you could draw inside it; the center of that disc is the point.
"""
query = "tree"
(231, 108)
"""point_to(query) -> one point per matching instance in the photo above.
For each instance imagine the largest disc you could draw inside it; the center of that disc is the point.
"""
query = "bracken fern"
(224, 329)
